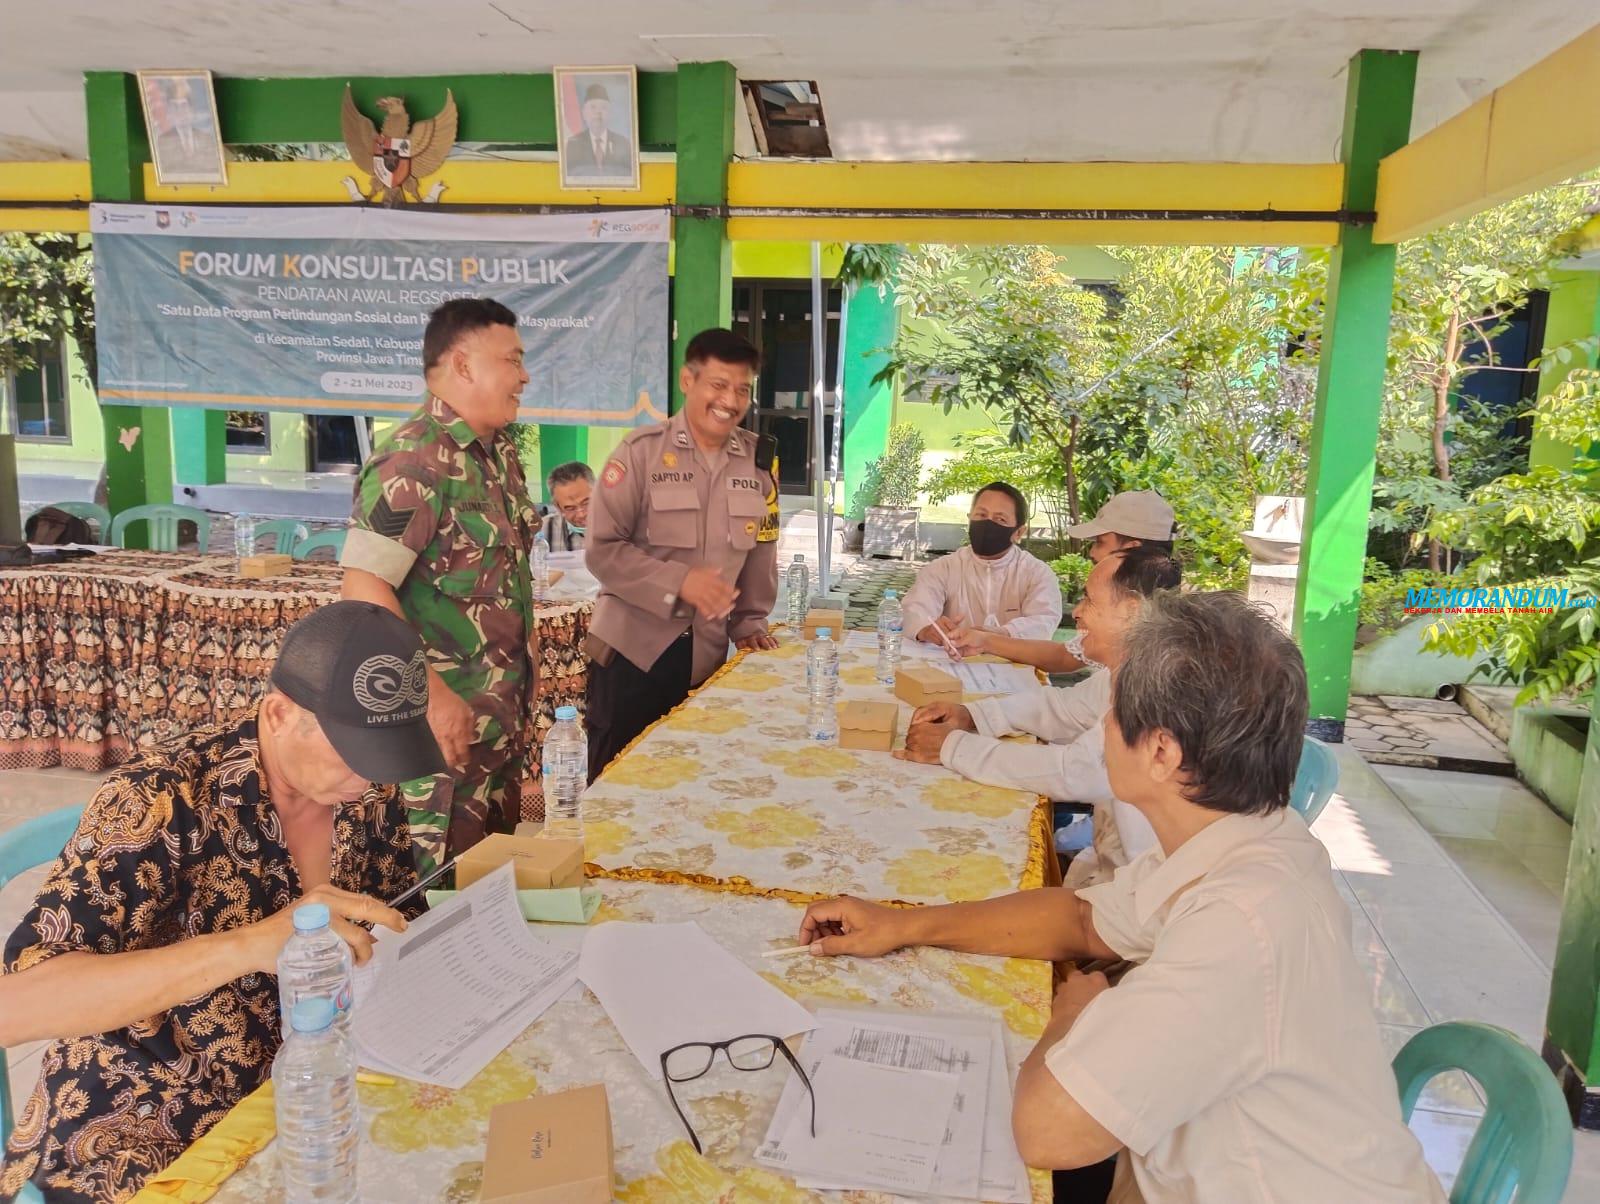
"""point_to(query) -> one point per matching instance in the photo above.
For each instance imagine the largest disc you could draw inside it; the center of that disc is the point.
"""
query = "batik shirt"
(444, 517)
(180, 842)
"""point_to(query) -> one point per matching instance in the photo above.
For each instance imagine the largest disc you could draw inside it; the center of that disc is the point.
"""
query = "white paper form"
(979, 1134)
(456, 987)
(667, 984)
(987, 677)
(878, 1125)
(867, 641)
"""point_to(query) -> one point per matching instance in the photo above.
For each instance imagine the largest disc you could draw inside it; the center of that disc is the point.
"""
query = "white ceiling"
(1225, 80)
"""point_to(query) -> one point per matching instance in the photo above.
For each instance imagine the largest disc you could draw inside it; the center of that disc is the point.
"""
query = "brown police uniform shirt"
(664, 507)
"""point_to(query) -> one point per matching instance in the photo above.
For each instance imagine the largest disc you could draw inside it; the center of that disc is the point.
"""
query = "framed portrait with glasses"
(754, 1051)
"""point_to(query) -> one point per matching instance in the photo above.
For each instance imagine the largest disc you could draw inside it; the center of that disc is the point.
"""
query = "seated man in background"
(148, 957)
(570, 486)
(1140, 518)
(1072, 766)
(1239, 1060)
(991, 583)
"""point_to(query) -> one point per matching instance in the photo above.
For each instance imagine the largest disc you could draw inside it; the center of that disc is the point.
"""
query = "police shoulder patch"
(613, 475)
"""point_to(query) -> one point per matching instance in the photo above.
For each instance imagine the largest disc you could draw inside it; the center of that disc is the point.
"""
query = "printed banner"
(321, 310)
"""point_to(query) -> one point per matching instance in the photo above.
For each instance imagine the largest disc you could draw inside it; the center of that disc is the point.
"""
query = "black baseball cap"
(362, 672)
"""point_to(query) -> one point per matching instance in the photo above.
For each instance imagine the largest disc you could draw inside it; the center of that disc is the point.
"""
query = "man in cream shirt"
(1072, 765)
(1239, 1060)
(991, 583)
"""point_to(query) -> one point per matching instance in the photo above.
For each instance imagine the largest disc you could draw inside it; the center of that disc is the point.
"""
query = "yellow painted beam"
(48, 184)
(1538, 129)
(1054, 233)
(1227, 186)
(467, 182)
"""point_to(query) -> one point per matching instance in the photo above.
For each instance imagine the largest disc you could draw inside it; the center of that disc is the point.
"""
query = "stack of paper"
(919, 1105)
(439, 1001)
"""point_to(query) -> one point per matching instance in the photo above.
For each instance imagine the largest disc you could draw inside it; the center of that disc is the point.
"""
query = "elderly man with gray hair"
(570, 486)
(1239, 1059)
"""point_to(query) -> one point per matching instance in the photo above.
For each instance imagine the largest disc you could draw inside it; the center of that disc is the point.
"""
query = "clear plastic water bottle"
(566, 772)
(244, 537)
(822, 671)
(315, 964)
(314, 1094)
(891, 620)
(541, 565)
(797, 580)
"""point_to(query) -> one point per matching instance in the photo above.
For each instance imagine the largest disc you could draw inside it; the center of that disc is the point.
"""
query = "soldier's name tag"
(482, 506)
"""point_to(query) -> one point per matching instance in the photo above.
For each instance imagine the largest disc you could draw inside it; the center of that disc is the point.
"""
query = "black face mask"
(989, 538)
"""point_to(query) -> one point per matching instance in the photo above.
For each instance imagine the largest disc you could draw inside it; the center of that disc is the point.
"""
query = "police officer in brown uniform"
(683, 537)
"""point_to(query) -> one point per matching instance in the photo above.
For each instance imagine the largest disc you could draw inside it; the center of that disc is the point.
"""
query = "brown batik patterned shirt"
(179, 842)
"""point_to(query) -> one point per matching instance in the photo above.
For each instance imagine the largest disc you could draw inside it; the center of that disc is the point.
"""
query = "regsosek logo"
(1494, 599)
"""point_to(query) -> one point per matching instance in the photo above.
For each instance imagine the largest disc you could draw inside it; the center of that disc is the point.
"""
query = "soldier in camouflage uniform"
(440, 535)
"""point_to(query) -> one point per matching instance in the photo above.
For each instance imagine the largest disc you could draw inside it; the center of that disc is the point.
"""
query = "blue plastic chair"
(36, 842)
(285, 533)
(322, 539)
(1314, 781)
(163, 518)
(88, 511)
(1523, 1145)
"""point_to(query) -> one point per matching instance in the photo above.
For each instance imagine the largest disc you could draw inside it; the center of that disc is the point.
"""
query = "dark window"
(39, 402)
(247, 431)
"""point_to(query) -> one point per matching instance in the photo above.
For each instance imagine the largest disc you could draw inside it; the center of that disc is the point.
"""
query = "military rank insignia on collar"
(682, 439)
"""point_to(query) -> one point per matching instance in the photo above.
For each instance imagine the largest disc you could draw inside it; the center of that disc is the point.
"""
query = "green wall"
(83, 456)
(1573, 314)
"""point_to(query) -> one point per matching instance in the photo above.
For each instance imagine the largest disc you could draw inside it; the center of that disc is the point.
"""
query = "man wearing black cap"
(147, 959)
(597, 149)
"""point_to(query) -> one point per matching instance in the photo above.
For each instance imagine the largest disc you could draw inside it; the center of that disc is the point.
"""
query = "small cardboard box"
(550, 1149)
(921, 684)
(538, 863)
(833, 619)
(265, 564)
(868, 725)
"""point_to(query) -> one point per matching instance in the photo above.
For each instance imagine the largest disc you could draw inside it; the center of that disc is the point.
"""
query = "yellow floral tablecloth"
(728, 787)
(427, 1143)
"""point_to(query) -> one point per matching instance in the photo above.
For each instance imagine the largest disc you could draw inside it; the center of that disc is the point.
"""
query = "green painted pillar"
(559, 445)
(138, 439)
(868, 407)
(1573, 314)
(200, 446)
(1344, 434)
(702, 285)
(1572, 1024)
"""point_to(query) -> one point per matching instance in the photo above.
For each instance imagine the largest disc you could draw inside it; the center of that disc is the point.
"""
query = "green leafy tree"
(46, 295)
(1455, 290)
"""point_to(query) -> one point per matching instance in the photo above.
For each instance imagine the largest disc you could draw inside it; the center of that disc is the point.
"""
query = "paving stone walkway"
(1425, 733)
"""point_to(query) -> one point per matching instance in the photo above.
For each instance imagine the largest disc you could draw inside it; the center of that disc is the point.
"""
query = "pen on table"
(946, 640)
(403, 896)
(787, 952)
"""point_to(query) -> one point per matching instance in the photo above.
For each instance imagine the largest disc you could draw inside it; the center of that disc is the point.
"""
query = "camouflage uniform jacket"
(445, 519)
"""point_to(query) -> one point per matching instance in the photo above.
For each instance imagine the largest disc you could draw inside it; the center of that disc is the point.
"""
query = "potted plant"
(891, 490)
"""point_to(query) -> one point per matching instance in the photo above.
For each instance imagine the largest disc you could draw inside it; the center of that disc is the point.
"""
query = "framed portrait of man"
(180, 118)
(597, 135)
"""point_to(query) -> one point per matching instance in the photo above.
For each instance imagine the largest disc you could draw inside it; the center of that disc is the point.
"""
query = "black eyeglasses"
(683, 1063)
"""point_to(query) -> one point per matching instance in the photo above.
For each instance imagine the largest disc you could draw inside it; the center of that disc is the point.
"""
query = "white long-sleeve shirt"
(1017, 595)
(1071, 767)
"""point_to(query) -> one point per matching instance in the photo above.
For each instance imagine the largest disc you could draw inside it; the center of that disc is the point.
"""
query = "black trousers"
(624, 699)
(1086, 1185)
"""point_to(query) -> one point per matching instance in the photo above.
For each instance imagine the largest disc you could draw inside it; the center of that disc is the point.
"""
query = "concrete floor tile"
(1445, 1137)
(1454, 1092)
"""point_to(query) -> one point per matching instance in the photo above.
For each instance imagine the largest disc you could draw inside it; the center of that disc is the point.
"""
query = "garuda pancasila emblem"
(399, 154)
